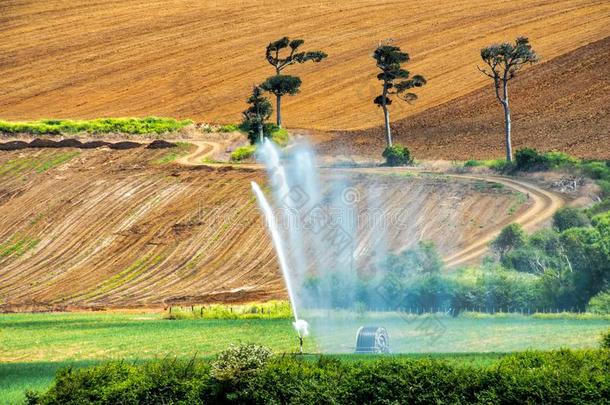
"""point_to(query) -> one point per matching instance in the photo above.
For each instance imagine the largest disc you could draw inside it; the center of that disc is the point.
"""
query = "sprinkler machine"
(372, 340)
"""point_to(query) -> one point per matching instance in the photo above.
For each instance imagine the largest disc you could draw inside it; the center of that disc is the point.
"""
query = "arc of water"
(277, 242)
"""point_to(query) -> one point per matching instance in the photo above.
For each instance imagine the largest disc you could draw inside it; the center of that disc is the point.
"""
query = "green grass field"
(34, 346)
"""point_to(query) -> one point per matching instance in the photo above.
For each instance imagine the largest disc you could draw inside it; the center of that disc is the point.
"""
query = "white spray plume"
(302, 327)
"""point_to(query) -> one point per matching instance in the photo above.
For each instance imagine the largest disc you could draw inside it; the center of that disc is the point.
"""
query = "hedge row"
(531, 377)
(148, 125)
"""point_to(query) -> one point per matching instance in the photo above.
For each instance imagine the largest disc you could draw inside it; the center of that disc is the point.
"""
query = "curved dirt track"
(544, 205)
(203, 150)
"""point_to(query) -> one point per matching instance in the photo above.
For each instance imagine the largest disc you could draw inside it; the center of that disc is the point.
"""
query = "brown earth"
(562, 105)
(111, 229)
(75, 59)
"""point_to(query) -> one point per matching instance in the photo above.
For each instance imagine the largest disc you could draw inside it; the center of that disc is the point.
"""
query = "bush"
(605, 341)
(511, 237)
(229, 128)
(243, 153)
(569, 217)
(563, 376)
(397, 155)
(473, 163)
(252, 131)
(596, 170)
(236, 361)
(527, 159)
(280, 136)
(600, 303)
(500, 165)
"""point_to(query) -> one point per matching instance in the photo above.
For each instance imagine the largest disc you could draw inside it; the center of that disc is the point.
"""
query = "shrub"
(559, 159)
(563, 376)
(232, 363)
(500, 165)
(605, 341)
(600, 303)
(397, 155)
(243, 153)
(570, 217)
(280, 136)
(252, 131)
(511, 237)
(473, 163)
(527, 159)
(229, 128)
(596, 170)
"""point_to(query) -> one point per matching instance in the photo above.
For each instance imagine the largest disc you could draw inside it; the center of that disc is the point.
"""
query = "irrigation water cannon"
(372, 340)
(302, 328)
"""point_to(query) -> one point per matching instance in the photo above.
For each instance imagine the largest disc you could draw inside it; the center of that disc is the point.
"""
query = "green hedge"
(148, 125)
(531, 377)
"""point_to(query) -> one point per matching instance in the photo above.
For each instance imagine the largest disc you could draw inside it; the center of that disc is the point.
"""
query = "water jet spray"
(300, 325)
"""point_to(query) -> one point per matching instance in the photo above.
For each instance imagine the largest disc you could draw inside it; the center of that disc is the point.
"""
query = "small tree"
(395, 81)
(503, 62)
(258, 112)
(511, 237)
(281, 85)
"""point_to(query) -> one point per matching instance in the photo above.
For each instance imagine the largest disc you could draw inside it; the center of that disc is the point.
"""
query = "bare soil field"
(111, 229)
(74, 59)
(563, 104)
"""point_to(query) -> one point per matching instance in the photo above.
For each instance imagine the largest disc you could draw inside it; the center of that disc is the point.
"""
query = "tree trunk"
(507, 124)
(261, 133)
(386, 115)
(388, 130)
(278, 111)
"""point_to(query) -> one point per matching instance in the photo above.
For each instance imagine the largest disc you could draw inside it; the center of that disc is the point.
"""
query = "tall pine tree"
(395, 81)
(279, 84)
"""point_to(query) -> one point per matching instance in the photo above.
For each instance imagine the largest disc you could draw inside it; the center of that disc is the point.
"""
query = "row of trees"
(502, 62)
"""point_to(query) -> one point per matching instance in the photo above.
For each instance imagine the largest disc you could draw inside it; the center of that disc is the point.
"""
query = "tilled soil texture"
(114, 229)
(199, 59)
(563, 104)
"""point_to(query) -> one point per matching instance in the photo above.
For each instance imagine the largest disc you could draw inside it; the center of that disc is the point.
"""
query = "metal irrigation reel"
(372, 339)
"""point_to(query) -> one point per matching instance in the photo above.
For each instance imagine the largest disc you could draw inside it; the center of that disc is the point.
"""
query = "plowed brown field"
(69, 58)
(113, 229)
(560, 105)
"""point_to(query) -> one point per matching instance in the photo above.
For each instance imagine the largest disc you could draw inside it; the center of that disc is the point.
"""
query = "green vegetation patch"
(266, 310)
(180, 150)
(243, 153)
(247, 374)
(148, 125)
(136, 269)
(38, 163)
(17, 245)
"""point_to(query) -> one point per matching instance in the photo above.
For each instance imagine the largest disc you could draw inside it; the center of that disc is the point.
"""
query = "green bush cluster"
(550, 269)
(397, 155)
(529, 159)
(414, 280)
(148, 125)
(229, 128)
(605, 341)
(243, 153)
(563, 376)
